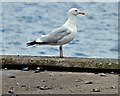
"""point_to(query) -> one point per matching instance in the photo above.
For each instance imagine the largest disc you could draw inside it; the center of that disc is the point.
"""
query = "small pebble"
(12, 88)
(113, 87)
(112, 72)
(43, 80)
(23, 85)
(71, 90)
(38, 68)
(100, 63)
(96, 90)
(17, 83)
(88, 82)
(11, 91)
(109, 63)
(45, 87)
(78, 80)
(38, 87)
(103, 74)
(25, 69)
(76, 85)
(5, 68)
(12, 77)
(37, 71)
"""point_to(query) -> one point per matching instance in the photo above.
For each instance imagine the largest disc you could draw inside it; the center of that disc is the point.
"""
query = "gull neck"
(71, 22)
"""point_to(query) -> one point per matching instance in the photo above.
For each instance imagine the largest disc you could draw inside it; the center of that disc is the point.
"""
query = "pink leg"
(61, 51)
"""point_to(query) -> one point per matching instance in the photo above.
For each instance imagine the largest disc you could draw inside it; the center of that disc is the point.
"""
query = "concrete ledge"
(15, 61)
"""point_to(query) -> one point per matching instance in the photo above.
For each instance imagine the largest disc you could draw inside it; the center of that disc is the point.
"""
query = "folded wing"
(56, 35)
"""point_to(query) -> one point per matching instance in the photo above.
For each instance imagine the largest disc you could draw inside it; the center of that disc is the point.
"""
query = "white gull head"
(75, 11)
(71, 22)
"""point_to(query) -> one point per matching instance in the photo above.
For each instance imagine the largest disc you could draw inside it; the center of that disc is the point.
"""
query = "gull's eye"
(76, 10)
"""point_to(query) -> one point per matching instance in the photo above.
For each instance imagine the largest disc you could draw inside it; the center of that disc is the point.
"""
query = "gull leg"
(61, 51)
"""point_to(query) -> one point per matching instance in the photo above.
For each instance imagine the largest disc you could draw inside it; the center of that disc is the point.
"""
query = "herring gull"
(61, 35)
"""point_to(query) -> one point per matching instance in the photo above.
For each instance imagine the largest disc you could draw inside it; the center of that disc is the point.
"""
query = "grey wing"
(56, 35)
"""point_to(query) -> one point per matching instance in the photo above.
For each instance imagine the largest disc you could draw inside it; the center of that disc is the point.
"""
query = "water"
(97, 30)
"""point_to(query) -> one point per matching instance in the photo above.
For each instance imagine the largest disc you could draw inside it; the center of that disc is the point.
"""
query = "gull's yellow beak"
(83, 13)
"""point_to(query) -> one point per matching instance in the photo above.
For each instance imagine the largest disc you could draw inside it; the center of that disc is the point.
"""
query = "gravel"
(28, 82)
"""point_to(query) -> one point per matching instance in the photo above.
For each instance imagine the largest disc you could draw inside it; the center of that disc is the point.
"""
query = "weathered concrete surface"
(67, 62)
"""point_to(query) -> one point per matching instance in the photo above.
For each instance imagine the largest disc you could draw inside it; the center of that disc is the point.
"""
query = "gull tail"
(34, 43)
(31, 43)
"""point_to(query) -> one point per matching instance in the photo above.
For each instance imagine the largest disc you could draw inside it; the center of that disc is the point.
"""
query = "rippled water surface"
(97, 30)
